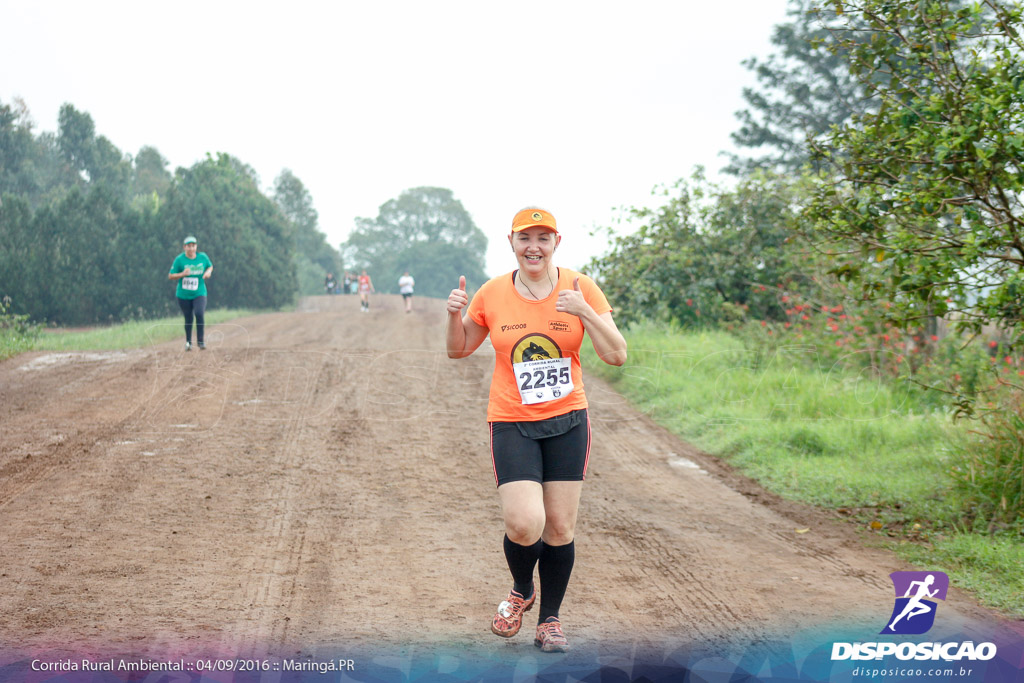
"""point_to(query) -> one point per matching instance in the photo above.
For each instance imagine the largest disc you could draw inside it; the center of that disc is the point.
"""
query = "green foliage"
(17, 254)
(244, 233)
(83, 259)
(16, 142)
(435, 266)
(17, 332)
(426, 231)
(310, 276)
(988, 567)
(30, 166)
(877, 452)
(151, 176)
(699, 258)
(76, 139)
(74, 256)
(77, 248)
(928, 184)
(89, 232)
(314, 257)
(804, 89)
(988, 469)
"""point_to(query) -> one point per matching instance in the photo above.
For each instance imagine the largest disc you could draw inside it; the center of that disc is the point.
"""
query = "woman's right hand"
(458, 299)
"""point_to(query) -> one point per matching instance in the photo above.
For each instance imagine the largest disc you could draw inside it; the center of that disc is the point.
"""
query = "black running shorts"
(557, 449)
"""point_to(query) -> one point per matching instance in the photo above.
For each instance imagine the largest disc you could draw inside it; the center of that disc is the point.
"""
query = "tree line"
(87, 233)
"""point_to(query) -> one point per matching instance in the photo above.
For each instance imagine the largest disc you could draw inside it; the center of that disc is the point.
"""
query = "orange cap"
(528, 218)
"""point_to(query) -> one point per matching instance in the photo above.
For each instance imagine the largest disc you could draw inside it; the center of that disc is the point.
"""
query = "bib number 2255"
(544, 380)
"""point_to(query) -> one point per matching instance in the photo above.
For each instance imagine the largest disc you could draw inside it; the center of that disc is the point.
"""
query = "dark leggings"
(192, 307)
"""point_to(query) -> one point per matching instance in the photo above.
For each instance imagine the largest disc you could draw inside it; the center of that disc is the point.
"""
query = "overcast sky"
(579, 107)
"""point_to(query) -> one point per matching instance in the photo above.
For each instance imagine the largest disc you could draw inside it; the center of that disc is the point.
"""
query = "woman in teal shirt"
(192, 269)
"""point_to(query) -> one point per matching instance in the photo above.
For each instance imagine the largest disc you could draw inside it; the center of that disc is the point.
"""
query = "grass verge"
(13, 344)
(825, 434)
(133, 334)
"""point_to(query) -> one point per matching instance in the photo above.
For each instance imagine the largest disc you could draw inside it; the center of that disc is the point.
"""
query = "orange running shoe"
(550, 637)
(509, 618)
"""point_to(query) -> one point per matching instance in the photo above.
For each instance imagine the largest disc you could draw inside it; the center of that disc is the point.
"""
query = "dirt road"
(321, 479)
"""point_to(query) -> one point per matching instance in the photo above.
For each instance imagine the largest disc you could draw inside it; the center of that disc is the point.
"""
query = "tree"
(425, 230)
(805, 88)
(112, 167)
(16, 143)
(296, 203)
(30, 166)
(314, 256)
(17, 258)
(88, 233)
(76, 140)
(929, 185)
(150, 173)
(64, 260)
(90, 158)
(700, 256)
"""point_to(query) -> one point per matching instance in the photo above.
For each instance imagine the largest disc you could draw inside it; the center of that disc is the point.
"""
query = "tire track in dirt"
(666, 553)
(39, 452)
(705, 529)
(274, 574)
(322, 478)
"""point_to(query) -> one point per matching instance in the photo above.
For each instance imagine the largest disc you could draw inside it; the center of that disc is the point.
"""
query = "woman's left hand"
(571, 300)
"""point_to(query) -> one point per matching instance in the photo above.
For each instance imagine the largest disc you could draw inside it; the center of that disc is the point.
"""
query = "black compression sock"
(521, 561)
(554, 566)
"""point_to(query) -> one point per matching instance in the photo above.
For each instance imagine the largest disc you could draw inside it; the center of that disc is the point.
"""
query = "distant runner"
(537, 411)
(405, 285)
(192, 269)
(365, 287)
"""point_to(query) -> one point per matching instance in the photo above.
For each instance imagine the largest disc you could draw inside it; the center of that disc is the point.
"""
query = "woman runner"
(192, 269)
(537, 411)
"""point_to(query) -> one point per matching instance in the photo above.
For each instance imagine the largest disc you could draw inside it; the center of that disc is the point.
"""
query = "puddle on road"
(684, 463)
(52, 360)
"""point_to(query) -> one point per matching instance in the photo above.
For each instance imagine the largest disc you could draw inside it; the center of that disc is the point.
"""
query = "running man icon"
(914, 606)
(919, 593)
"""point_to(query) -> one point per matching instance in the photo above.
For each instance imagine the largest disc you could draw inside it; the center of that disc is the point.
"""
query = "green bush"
(988, 470)
(17, 332)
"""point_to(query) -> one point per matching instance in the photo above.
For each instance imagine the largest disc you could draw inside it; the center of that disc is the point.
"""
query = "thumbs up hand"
(571, 300)
(458, 299)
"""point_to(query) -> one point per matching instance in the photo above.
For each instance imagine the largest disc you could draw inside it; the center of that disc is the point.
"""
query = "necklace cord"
(552, 285)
